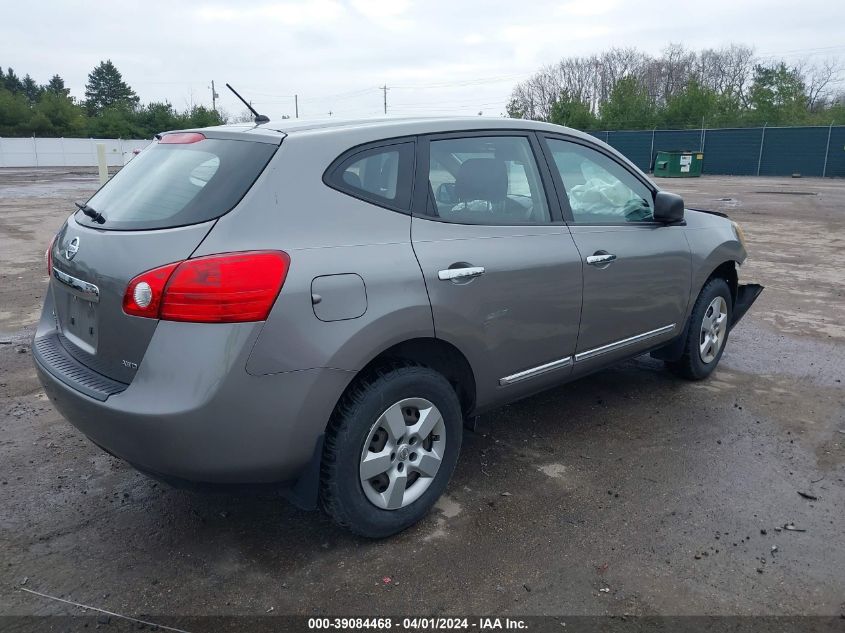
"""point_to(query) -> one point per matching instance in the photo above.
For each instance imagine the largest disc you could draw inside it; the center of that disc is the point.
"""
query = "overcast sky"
(437, 57)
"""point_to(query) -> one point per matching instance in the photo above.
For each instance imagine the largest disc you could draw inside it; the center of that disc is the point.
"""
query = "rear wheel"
(707, 332)
(390, 450)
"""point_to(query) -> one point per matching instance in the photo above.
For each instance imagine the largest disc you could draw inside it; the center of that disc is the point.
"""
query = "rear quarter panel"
(326, 232)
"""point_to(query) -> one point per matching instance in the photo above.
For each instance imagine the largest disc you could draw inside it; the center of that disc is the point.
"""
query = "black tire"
(341, 494)
(690, 365)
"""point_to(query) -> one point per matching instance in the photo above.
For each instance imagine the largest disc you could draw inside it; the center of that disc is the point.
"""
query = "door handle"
(600, 259)
(458, 274)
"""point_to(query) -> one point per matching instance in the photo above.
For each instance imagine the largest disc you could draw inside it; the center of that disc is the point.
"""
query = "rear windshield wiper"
(95, 215)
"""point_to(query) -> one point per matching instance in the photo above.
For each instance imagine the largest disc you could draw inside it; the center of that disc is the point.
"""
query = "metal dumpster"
(678, 164)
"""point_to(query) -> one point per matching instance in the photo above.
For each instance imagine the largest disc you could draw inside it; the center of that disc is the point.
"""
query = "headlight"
(739, 233)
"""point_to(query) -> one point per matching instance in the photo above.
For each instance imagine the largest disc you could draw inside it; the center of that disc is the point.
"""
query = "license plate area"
(79, 323)
(77, 301)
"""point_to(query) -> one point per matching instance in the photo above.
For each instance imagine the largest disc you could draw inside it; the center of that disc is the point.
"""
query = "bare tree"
(739, 71)
(677, 65)
(591, 80)
(821, 80)
(245, 116)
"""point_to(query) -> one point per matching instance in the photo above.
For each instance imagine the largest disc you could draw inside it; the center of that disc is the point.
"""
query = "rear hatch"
(155, 211)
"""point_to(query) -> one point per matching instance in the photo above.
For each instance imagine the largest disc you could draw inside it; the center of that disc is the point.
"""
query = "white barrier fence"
(66, 152)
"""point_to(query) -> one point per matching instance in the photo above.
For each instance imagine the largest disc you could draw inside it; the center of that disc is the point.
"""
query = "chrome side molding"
(80, 288)
(625, 342)
(590, 353)
(535, 371)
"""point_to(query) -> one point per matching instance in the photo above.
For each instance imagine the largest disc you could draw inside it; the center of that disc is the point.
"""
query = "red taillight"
(48, 256)
(153, 282)
(182, 137)
(227, 288)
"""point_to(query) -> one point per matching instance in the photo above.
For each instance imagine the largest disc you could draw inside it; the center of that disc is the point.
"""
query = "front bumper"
(746, 295)
(193, 413)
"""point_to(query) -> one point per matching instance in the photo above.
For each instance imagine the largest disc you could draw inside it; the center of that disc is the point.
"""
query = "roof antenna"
(259, 118)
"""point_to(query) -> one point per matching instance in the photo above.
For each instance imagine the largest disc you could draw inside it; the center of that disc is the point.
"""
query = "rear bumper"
(746, 295)
(192, 411)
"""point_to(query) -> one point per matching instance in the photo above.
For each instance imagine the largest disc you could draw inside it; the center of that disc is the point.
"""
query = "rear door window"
(486, 180)
(176, 184)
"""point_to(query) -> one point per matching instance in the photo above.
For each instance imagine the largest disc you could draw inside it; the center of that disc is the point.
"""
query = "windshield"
(175, 184)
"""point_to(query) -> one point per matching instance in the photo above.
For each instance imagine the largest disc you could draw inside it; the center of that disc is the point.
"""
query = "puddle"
(555, 471)
(448, 506)
(449, 509)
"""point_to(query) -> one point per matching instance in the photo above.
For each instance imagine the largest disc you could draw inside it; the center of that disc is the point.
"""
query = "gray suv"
(323, 305)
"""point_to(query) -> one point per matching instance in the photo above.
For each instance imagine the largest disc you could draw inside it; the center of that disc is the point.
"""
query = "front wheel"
(707, 332)
(391, 448)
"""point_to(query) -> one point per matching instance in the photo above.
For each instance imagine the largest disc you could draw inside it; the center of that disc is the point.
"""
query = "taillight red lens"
(155, 280)
(182, 137)
(227, 288)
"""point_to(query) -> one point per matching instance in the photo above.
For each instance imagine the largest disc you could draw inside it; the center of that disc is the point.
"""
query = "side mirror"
(668, 207)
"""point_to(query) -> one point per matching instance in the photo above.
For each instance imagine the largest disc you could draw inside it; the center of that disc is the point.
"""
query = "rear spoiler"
(236, 133)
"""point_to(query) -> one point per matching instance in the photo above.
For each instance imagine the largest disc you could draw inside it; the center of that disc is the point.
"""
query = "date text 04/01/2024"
(419, 623)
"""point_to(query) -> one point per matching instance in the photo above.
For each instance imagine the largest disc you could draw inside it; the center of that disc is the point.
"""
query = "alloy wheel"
(402, 453)
(713, 329)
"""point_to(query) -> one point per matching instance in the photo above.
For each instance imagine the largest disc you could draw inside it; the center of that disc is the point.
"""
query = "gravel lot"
(668, 494)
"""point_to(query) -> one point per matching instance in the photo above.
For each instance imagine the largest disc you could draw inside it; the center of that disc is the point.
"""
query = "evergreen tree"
(66, 118)
(158, 117)
(12, 83)
(573, 113)
(200, 116)
(39, 125)
(14, 114)
(117, 121)
(778, 95)
(106, 89)
(30, 89)
(629, 106)
(514, 110)
(691, 105)
(56, 86)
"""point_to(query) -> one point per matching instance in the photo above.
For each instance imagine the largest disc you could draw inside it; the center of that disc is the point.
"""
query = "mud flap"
(746, 294)
(305, 492)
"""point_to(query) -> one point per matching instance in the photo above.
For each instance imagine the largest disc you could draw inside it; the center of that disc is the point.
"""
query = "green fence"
(760, 151)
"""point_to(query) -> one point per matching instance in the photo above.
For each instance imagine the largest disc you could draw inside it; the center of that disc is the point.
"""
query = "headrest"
(352, 179)
(482, 179)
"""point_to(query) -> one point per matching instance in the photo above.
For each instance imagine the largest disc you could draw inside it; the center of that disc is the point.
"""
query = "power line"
(803, 50)
(467, 82)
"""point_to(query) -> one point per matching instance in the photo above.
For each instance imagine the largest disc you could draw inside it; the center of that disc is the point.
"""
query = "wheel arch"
(726, 270)
(430, 352)
(436, 354)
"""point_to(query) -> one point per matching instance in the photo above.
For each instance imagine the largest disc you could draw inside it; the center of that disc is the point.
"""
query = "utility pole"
(296, 105)
(384, 89)
(214, 97)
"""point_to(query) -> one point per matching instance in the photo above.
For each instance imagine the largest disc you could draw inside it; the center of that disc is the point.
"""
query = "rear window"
(175, 184)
